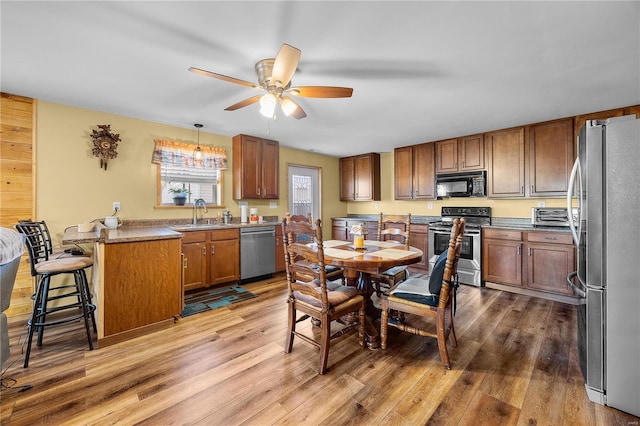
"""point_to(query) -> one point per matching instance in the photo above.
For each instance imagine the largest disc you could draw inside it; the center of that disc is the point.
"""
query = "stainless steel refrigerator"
(606, 181)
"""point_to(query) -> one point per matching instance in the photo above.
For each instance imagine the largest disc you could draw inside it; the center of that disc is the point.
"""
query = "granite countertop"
(151, 229)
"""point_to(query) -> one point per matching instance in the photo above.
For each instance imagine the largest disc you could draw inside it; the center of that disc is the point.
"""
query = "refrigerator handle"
(576, 290)
(572, 225)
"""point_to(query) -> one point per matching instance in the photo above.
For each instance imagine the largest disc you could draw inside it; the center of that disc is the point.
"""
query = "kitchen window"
(178, 169)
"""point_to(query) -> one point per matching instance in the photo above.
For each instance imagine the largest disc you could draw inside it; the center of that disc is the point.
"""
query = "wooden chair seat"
(427, 298)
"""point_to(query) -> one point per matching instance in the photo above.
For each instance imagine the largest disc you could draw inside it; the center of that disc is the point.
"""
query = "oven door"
(469, 271)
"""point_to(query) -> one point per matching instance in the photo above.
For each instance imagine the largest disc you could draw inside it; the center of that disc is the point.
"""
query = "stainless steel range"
(469, 266)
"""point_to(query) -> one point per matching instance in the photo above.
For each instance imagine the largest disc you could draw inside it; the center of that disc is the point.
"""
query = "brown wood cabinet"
(460, 155)
(140, 289)
(414, 172)
(210, 257)
(360, 178)
(255, 168)
(536, 261)
(580, 120)
(551, 157)
(505, 157)
(194, 250)
(419, 239)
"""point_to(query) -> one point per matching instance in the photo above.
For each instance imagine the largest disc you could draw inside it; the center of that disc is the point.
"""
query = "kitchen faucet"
(196, 203)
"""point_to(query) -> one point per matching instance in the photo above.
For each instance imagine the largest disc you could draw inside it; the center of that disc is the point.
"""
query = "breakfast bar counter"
(137, 279)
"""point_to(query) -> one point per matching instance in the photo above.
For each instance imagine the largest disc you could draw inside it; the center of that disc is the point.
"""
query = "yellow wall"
(72, 188)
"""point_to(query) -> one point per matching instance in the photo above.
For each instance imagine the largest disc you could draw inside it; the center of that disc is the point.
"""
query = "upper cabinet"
(460, 155)
(360, 178)
(580, 120)
(255, 168)
(414, 169)
(505, 158)
(551, 156)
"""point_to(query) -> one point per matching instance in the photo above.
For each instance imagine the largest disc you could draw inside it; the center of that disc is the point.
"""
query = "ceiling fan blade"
(244, 103)
(285, 64)
(222, 77)
(321, 92)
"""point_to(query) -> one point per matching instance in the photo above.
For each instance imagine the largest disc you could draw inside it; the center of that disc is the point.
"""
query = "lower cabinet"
(210, 257)
(537, 261)
(419, 239)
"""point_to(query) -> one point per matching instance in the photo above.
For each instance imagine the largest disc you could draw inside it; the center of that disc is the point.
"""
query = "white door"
(304, 190)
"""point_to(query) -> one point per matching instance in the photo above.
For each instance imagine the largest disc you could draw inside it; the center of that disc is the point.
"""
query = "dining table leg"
(362, 280)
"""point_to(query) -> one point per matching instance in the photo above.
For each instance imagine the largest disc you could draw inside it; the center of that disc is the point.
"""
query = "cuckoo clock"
(105, 144)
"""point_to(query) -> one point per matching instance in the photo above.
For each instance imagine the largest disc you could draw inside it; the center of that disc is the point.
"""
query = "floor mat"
(213, 299)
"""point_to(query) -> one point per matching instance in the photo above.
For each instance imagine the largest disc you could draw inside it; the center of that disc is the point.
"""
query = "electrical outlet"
(376, 206)
(542, 204)
(116, 206)
(430, 205)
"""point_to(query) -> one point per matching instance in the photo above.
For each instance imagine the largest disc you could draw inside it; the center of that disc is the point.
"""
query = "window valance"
(181, 154)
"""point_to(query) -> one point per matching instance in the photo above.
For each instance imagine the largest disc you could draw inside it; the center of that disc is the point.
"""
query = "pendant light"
(197, 153)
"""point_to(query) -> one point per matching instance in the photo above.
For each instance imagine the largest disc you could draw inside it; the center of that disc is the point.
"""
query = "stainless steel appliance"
(257, 251)
(551, 216)
(469, 266)
(469, 184)
(608, 276)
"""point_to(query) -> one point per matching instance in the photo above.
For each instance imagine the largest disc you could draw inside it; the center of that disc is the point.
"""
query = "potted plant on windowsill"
(179, 195)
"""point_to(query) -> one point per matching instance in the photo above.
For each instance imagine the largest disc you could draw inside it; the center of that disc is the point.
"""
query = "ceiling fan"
(274, 77)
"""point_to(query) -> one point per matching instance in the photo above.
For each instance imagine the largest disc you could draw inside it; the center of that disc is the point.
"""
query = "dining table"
(359, 263)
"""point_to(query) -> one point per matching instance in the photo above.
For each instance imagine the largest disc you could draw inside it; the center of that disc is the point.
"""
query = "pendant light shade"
(197, 153)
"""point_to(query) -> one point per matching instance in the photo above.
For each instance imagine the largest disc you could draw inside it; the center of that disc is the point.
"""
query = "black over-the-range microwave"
(468, 184)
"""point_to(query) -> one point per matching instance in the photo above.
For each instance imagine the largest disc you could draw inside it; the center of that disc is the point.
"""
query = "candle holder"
(358, 231)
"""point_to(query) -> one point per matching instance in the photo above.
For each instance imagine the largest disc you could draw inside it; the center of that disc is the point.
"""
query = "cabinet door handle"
(518, 250)
(530, 251)
(522, 189)
(213, 249)
(550, 238)
(258, 191)
(532, 189)
(204, 251)
(185, 263)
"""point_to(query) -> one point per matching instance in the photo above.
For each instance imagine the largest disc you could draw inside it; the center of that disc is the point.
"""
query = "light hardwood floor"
(515, 363)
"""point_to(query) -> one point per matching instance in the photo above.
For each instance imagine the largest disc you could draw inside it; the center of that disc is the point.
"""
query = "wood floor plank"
(516, 358)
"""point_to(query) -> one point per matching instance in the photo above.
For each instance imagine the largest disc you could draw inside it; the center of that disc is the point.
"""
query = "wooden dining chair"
(316, 298)
(396, 228)
(430, 298)
(305, 269)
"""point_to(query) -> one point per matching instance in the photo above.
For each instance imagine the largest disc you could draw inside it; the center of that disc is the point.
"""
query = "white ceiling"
(421, 71)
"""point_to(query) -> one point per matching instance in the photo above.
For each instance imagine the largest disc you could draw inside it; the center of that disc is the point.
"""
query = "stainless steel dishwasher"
(257, 251)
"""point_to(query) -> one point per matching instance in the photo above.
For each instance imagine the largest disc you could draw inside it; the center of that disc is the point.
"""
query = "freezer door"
(622, 269)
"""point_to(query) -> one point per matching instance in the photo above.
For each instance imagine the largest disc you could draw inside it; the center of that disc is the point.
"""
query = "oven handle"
(448, 232)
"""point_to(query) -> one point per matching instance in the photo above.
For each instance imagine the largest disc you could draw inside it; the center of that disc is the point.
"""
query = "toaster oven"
(549, 216)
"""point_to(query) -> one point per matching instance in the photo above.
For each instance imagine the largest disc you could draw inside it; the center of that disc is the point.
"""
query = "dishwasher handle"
(250, 233)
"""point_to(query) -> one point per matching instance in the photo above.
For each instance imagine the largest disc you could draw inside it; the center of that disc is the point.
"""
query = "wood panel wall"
(17, 184)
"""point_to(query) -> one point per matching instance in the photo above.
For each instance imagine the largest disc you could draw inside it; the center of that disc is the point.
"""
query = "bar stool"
(43, 268)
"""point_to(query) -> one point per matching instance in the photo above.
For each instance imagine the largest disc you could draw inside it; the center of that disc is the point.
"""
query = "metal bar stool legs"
(38, 320)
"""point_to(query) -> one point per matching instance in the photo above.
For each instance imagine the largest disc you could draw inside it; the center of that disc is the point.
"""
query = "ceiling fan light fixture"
(288, 106)
(267, 105)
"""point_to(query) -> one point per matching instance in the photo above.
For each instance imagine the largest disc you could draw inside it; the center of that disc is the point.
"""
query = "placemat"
(340, 254)
(333, 243)
(391, 253)
(381, 243)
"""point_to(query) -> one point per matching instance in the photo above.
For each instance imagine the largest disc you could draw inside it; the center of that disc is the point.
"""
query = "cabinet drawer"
(502, 234)
(550, 237)
(194, 237)
(422, 229)
(225, 234)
